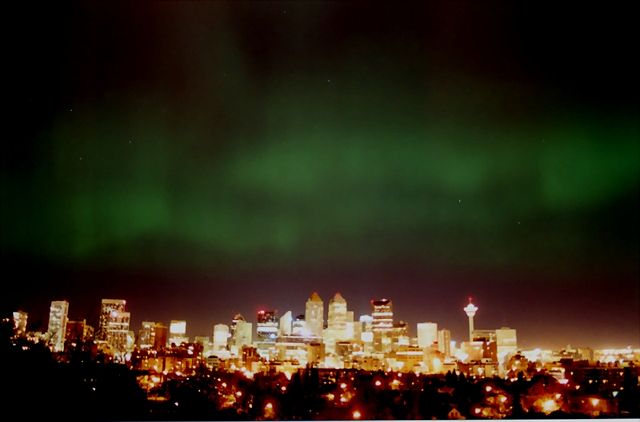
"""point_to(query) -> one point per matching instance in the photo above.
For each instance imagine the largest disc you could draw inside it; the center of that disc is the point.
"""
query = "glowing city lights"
(549, 406)
(287, 347)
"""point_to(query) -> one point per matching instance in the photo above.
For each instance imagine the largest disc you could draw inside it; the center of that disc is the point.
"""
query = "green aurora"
(431, 146)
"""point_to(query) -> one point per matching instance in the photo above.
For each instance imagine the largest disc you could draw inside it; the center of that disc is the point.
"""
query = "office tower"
(177, 328)
(249, 355)
(382, 314)
(314, 315)
(427, 334)
(367, 323)
(118, 331)
(471, 310)
(267, 326)
(366, 330)
(507, 343)
(108, 306)
(475, 350)
(151, 335)
(241, 333)
(444, 342)
(146, 335)
(58, 324)
(178, 332)
(336, 322)
(382, 325)
(489, 345)
(114, 324)
(285, 324)
(232, 328)
(299, 327)
(267, 332)
(337, 314)
(220, 336)
(78, 331)
(204, 346)
(400, 330)
(244, 334)
(162, 335)
(20, 323)
(352, 328)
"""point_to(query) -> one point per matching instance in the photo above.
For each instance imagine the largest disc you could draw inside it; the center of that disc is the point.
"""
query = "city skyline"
(134, 324)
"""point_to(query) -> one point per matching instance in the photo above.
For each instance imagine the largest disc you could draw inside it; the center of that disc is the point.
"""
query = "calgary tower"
(470, 310)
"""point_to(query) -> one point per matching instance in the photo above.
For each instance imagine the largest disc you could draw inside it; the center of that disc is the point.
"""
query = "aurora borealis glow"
(421, 152)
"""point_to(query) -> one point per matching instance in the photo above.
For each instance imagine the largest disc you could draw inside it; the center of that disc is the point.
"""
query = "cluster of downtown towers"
(370, 335)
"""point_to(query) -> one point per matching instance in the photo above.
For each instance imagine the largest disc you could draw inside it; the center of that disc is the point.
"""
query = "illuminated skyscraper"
(178, 332)
(299, 327)
(58, 324)
(444, 342)
(146, 335)
(244, 333)
(178, 327)
(337, 315)
(507, 343)
(151, 335)
(367, 323)
(241, 333)
(470, 310)
(366, 330)
(487, 338)
(118, 331)
(382, 314)
(400, 332)
(336, 322)
(267, 333)
(285, 324)
(427, 334)
(232, 328)
(353, 328)
(314, 315)
(20, 323)
(114, 324)
(382, 325)
(108, 306)
(267, 327)
(220, 336)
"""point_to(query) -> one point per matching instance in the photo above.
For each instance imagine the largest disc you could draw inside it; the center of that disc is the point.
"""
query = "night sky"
(200, 159)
